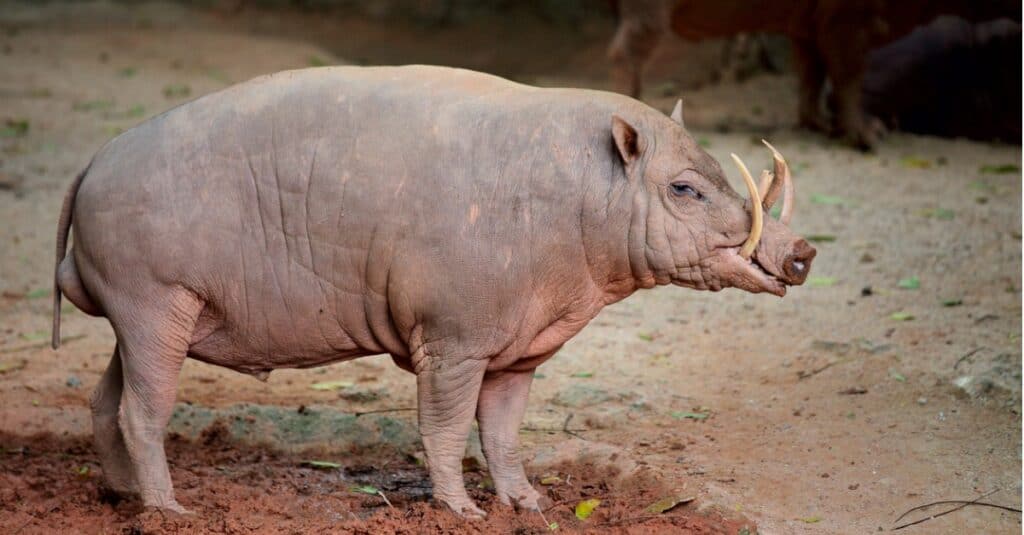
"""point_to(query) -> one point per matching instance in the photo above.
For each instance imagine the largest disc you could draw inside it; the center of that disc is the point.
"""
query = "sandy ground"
(826, 413)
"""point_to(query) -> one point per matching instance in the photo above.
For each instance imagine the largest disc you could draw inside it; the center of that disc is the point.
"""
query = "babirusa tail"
(63, 229)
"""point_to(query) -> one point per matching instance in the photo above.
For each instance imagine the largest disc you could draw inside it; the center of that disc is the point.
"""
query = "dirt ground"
(833, 410)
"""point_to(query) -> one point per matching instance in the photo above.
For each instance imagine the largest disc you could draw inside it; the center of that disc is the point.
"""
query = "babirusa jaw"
(757, 211)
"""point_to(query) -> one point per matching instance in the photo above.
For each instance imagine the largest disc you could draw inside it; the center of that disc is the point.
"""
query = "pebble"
(73, 381)
(922, 401)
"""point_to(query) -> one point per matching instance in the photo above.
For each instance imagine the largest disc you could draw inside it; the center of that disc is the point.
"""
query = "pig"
(464, 224)
(831, 39)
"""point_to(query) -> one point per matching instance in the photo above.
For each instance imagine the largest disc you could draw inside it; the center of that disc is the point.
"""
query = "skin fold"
(466, 225)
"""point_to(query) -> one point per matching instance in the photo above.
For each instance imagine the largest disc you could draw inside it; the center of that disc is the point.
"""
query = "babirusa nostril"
(798, 266)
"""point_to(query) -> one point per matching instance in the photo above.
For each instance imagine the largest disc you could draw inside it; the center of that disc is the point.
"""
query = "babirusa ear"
(677, 113)
(626, 139)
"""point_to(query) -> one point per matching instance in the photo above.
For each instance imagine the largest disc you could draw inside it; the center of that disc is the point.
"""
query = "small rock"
(922, 401)
(855, 486)
(73, 381)
(866, 258)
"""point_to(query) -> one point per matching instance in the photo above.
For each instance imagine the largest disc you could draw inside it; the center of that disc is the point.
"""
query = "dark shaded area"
(950, 78)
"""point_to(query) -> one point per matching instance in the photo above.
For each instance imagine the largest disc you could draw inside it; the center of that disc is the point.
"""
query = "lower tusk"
(757, 211)
(788, 194)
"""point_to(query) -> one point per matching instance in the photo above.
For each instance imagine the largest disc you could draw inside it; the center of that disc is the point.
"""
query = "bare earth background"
(825, 412)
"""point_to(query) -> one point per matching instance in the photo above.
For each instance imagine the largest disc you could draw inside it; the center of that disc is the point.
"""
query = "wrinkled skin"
(831, 39)
(464, 224)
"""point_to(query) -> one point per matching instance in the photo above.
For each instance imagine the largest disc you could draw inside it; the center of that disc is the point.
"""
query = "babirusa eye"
(681, 189)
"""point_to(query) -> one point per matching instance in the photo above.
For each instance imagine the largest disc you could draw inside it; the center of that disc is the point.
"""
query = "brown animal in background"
(831, 39)
(466, 225)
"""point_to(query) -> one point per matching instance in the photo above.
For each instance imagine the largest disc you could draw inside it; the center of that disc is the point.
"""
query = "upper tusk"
(757, 212)
(784, 181)
(767, 179)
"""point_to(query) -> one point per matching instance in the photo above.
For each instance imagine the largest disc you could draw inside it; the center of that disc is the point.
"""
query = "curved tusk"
(758, 215)
(788, 193)
(767, 180)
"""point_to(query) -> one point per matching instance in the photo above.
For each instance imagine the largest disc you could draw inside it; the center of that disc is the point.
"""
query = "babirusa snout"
(757, 212)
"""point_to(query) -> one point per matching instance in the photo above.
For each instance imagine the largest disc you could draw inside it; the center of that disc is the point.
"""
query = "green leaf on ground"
(668, 503)
(550, 480)
(910, 283)
(82, 471)
(93, 105)
(915, 162)
(646, 337)
(942, 214)
(821, 282)
(323, 465)
(821, 238)
(317, 61)
(177, 91)
(14, 128)
(35, 335)
(901, 316)
(830, 200)
(682, 415)
(332, 385)
(38, 293)
(1000, 169)
(586, 507)
(538, 375)
(364, 489)
(553, 526)
(810, 519)
(127, 72)
(952, 302)
(582, 375)
(897, 376)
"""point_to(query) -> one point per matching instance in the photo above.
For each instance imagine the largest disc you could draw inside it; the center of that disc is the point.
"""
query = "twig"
(566, 430)
(378, 411)
(542, 517)
(386, 500)
(966, 356)
(40, 345)
(976, 501)
(640, 519)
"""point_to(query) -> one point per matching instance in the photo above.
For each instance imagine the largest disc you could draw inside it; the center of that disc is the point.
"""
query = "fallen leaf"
(999, 169)
(668, 503)
(317, 61)
(821, 238)
(810, 519)
(586, 507)
(364, 489)
(332, 385)
(915, 162)
(821, 282)
(553, 526)
(14, 128)
(901, 316)
(944, 214)
(897, 376)
(582, 375)
(127, 72)
(539, 375)
(550, 480)
(952, 302)
(646, 337)
(177, 91)
(35, 335)
(681, 415)
(82, 471)
(830, 200)
(910, 283)
(325, 465)
(93, 105)
(6, 367)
